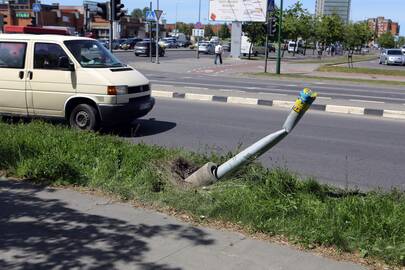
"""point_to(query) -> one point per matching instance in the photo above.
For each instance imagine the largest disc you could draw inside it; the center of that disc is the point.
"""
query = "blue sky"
(187, 10)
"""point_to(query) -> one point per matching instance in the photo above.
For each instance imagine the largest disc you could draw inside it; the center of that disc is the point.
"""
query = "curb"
(392, 114)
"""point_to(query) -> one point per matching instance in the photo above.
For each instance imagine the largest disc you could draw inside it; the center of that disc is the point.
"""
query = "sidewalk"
(44, 228)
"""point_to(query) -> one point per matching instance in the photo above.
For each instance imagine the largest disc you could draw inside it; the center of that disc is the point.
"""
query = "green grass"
(274, 202)
(372, 71)
(311, 78)
(338, 60)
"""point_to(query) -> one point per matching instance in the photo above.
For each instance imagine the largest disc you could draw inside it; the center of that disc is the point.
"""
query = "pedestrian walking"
(218, 53)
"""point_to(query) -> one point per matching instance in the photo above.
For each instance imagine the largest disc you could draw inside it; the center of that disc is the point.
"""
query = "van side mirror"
(66, 64)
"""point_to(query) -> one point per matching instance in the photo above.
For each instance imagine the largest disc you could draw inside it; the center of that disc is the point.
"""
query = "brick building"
(19, 12)
(380, 25)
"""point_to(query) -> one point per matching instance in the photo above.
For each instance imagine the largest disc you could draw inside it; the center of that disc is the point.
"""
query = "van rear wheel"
(84, 117)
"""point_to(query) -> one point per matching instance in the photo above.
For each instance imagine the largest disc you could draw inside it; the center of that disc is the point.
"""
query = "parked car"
(392, 57)
(143, 48)
(227, 46)
(116, 43)
(257, 50)
(206, 47)
(104, 42)
(130, 43)
(103, 89)
(169, 43)
(403, 49)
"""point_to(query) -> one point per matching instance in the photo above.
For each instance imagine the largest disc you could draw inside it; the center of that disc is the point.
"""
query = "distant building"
(380, 25)
(329, 7)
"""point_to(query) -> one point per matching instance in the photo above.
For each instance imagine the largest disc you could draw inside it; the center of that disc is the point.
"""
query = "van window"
(91, 54)
(12, 54)
(48, 55)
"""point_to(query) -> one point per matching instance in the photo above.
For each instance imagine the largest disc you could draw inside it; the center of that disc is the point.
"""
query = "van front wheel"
(84, 117)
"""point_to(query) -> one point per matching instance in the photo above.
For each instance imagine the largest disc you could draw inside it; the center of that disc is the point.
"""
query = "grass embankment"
(274, 202)
(370, 71)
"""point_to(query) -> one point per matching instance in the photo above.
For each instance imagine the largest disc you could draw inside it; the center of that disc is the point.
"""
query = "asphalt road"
(171, 54)
(338, 90)
(345, 151)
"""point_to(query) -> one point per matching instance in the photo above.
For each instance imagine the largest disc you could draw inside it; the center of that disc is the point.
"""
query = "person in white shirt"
(218, 53)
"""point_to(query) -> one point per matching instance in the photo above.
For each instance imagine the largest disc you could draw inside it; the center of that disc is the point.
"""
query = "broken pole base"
(204, 176)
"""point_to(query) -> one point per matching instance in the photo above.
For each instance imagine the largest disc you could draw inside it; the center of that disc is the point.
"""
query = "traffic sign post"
(158, 14)
(36, 8)
(198, 32)
(150, 16)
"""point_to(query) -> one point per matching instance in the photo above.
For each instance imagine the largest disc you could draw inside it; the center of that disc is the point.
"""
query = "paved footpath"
(44, 228)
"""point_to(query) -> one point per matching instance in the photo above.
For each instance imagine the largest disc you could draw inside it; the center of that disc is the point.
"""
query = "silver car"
(392, 57)
(206, 47)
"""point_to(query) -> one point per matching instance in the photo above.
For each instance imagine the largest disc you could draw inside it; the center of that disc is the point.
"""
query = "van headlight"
(117, 90)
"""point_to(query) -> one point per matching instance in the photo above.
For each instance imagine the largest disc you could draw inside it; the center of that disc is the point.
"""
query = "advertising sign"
(238, 10)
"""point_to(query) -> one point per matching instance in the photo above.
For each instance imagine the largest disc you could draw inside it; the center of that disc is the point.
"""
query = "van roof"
(40, 37)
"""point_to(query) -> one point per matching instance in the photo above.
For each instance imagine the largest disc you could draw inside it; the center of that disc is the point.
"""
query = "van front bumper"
(119, 113)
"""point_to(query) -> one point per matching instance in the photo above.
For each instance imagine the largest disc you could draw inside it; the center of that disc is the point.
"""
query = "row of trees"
(298, 23)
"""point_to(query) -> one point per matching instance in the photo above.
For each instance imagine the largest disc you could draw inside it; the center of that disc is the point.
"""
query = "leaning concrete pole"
(210, 172)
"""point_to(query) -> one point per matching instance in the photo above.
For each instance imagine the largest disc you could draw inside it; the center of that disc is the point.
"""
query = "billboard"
(238, 10)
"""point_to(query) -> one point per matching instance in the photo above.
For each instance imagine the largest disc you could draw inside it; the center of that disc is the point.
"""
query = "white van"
(68, 77)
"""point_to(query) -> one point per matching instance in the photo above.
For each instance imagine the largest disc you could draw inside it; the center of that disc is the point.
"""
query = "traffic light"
(102, 10)
(118, 12)
(272, 26)
(2, 20)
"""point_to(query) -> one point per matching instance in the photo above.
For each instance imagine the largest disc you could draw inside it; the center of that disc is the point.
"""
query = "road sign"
(158, 13)
(150, 16)
(198, 25)
(36, 7)
(198, 32)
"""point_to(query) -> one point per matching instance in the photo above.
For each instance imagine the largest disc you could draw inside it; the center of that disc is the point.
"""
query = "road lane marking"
(368, 101)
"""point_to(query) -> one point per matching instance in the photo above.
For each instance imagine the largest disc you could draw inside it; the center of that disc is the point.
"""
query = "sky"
(187, 10)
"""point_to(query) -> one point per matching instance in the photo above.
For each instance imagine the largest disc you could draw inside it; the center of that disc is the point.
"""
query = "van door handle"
(21, 75)
(30, 74)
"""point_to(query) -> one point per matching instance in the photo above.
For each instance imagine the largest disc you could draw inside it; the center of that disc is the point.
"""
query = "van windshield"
(92, 54)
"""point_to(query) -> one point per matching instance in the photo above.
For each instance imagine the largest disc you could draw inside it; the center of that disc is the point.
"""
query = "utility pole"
(150, 35)
(112, 12)
(36, 15)
(278, 67)
(157, 32)
(199, 21)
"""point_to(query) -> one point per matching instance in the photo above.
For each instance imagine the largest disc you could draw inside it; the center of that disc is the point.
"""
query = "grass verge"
(338, 60)
(310, 78)
(372, 71)
(273, 202)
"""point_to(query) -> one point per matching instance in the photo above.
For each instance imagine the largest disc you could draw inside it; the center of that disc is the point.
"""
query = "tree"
(139, 14)
(386, 40)
(185, 28)
(209, 32)
(256, 33)
(224, 32)
(401, 41)
(330, 30)
(296, 23)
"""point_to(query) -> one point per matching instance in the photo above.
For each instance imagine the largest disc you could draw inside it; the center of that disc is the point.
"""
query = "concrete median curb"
(391, 114)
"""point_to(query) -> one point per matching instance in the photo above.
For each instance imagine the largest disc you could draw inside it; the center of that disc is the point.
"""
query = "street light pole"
(199, 21)
(278, 67)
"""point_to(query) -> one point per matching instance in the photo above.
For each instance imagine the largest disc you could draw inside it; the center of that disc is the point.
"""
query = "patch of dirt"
(183, 168)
